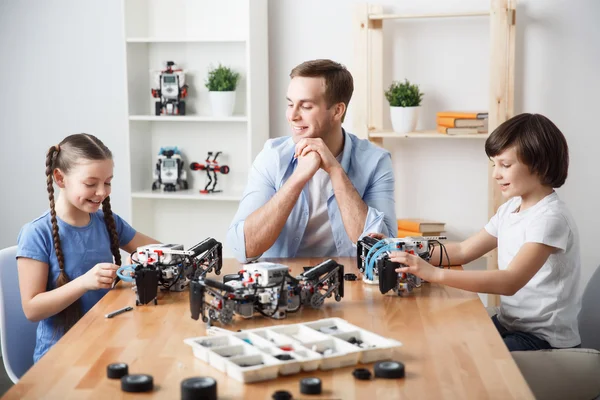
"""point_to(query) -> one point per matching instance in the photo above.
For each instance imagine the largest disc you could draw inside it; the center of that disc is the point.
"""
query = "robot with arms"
(170, 88)
(170, 267)
(373, 261)
(266, 288)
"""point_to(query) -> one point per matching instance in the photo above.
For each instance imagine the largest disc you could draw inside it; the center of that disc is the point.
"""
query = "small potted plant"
(405, 102)
(221, 84)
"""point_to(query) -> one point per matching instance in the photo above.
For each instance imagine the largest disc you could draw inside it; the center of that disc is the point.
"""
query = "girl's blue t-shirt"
(83, 247)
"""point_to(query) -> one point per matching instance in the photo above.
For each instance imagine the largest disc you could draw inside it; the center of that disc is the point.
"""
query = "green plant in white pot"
(405, 102)
(221, 83)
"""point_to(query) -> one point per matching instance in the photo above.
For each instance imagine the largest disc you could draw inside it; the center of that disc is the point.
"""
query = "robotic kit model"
(169, 172)
(373, 261)
(170, 267)
(169, 86)
(266, 288)
(211, 166)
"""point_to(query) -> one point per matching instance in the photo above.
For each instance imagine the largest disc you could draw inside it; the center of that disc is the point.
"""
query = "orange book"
(451, 122)
(419, 225)
(460, 131)
(404, 233)
(463, 114)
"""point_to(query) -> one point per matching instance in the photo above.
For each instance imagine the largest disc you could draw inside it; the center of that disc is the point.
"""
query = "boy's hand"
(416, 265)
(376, 235)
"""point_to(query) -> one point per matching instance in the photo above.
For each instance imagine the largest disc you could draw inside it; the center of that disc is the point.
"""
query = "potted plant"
(405, 102)
(221, 84)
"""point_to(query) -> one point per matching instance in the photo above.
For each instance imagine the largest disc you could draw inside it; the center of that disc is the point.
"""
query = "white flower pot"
(404, 119)
(222, 103)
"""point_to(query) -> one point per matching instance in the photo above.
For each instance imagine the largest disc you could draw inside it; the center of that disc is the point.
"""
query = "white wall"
(69, 57)
(63, 72)
(558, 59)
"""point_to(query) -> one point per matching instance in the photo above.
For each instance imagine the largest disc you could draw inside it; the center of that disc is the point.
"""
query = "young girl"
(536, 237)
(65, 257)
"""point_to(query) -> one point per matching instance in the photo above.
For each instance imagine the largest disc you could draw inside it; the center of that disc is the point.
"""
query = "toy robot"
(373, 261)
(169, 172)
(211, 166)
(170, 88)
(266, 288)
(170, 267)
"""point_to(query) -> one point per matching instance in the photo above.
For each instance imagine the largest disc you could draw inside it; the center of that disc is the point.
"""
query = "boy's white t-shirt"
(548, 305)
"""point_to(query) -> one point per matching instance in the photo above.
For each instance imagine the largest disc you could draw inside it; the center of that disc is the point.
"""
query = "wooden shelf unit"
(368, 96)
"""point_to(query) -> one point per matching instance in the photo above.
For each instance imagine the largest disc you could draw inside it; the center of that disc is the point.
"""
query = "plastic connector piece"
(350, 277)
(362, 373)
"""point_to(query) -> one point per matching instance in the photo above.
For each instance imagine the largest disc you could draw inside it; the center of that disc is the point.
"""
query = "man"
(314, 194)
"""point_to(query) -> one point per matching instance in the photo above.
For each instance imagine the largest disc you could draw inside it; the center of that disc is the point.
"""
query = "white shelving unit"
(195, 34)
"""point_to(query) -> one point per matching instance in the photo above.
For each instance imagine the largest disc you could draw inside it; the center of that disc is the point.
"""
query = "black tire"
(338, 297)
(182, 108)
(389, 370)
(204, 319)
(157, 107)
(184, 185)
(224, 169)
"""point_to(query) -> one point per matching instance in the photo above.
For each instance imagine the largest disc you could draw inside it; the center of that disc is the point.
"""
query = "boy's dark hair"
(71, 151)
(539, 143)
(339, 84)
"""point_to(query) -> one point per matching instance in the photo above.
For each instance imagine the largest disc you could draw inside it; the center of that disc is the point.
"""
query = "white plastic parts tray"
(264, 353)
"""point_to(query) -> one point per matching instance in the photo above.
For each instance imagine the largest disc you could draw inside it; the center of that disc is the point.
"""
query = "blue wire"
(389, 247)
(126, 268)
(368, 257)
(370, 260)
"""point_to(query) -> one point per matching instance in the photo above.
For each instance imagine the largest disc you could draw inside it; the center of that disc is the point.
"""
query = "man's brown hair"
(338, 80)
(539, 144)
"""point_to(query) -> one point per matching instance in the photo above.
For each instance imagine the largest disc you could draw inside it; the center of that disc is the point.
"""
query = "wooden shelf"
(427, 134)
(181, 40)
(188, 118)
(380, 17)
(190, 194)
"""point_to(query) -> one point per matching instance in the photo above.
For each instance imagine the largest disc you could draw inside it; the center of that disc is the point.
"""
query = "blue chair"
(17, 333)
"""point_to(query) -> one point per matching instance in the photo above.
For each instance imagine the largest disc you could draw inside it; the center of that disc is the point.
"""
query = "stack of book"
(419, 227)
(462, 122)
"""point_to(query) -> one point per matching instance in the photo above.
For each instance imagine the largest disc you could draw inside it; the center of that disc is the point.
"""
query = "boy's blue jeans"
(520, 341)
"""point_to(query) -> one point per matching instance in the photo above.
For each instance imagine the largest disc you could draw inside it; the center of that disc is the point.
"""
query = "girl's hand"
(376, 235)
(416, 265)
(100, 277)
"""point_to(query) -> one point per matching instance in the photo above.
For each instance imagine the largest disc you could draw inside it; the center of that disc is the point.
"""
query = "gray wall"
(63, 72)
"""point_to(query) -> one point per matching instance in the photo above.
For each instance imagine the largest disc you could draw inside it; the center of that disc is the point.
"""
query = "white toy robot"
(169, 172)
(169, 86)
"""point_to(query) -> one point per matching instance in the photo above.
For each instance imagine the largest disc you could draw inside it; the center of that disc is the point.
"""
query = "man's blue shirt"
(368, 167)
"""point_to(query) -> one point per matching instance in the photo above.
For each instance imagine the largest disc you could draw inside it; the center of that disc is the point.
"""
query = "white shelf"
(188, 118)
(182, 40)
(427, 134)
(379, 17)
(189, 194)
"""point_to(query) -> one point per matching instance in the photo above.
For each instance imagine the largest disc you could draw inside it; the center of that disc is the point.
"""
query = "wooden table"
(450, 348)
